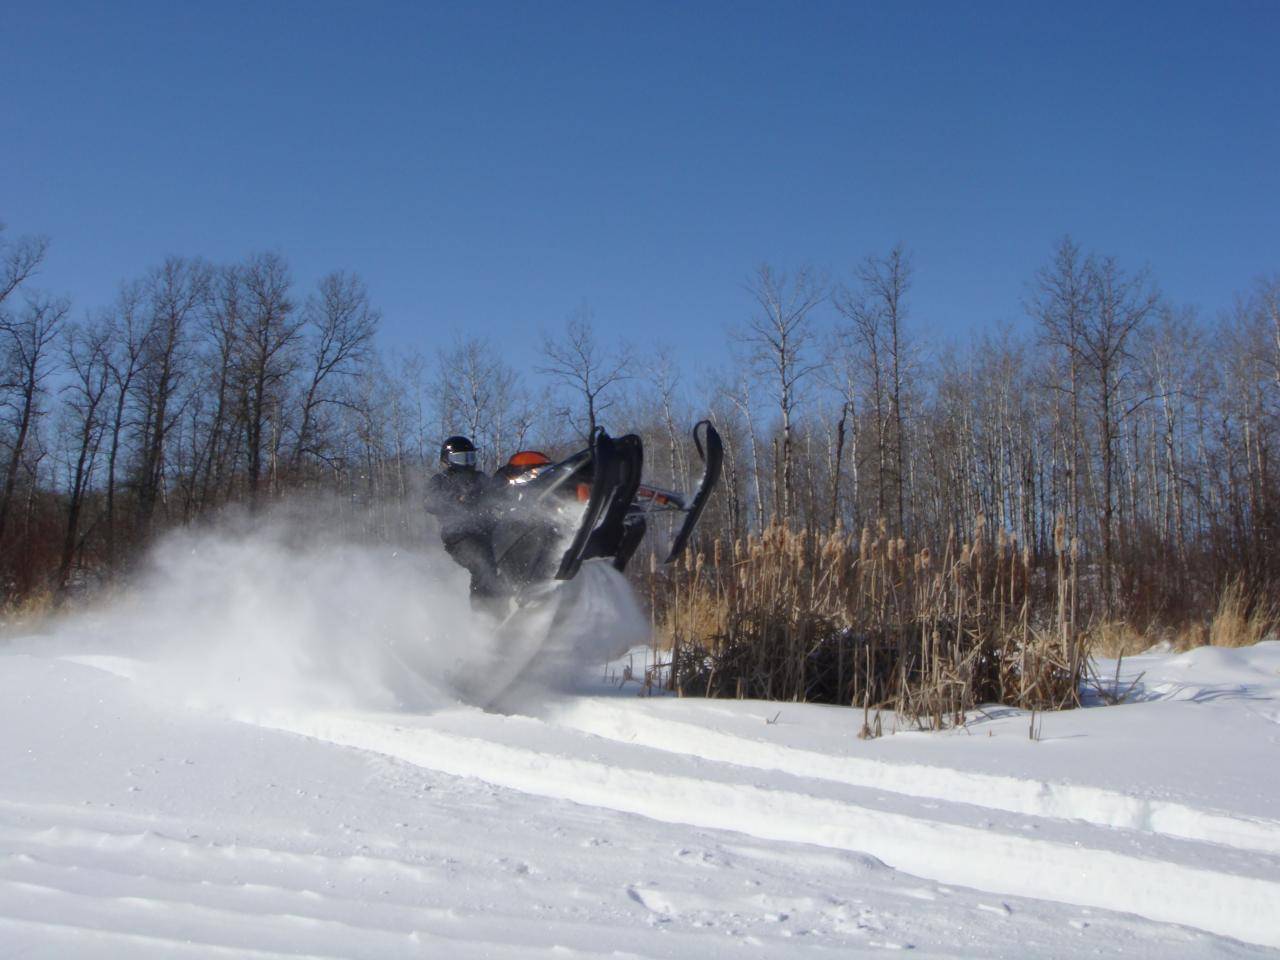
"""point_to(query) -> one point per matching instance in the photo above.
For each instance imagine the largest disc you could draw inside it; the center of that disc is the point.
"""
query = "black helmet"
(458, 452)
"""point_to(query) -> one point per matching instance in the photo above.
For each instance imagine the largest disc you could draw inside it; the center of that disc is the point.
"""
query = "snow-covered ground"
(263, 764)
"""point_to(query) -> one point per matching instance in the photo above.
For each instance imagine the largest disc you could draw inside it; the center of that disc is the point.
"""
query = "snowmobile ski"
(615, 479)
(711, 450)
(607, 538)
(604, 481)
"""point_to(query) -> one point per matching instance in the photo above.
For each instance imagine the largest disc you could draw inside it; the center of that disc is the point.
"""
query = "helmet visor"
(462, 458)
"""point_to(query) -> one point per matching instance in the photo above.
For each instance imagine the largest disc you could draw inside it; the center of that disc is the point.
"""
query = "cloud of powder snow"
(260, 613)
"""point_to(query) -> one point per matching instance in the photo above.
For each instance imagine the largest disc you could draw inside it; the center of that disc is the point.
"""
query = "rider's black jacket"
(461, 499)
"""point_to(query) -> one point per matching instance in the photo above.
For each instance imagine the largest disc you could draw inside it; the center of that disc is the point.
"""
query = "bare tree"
(737, 393)
(342, 326)
(267, 358)
(779, 336)
(224, 331)
(578, 363)
(125, 360)
(1266, 298)
(1121, 303)
(875, 338)
(25, 340)
(886, 282)
(88, 357)
(18, 262)
(175, 291)
(665, 376)
(1061, 303)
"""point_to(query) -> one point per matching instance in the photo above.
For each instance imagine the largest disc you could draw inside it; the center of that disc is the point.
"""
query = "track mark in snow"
(1038, 798)
(1233, 904)
(115, 943)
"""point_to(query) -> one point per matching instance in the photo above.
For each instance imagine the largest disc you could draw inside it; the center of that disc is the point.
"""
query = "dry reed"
(870, 622)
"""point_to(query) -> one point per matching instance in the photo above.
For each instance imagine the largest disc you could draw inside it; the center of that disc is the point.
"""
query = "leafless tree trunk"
(175, 292)
(1061, 305)
(88, 354)
(266, 359)
(1121, 305)
(879, 314)
(780, 336)
(124, 361)
(26, 339)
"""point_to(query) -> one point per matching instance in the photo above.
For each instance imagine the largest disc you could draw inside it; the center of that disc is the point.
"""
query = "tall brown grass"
(872, 622)
(1238, 619)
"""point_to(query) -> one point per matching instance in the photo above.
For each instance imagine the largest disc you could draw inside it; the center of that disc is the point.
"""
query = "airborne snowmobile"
(561, 535)
(591, 505)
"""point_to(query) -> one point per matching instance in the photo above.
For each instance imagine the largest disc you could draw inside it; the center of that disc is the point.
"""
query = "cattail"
(717, 553)
(926, 558)
(864, 545)
(1060, 534)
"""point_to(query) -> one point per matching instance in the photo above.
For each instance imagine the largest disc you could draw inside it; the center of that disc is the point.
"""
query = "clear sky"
(487, 167)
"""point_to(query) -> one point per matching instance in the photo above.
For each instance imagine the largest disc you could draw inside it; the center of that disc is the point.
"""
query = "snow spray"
(265, 612)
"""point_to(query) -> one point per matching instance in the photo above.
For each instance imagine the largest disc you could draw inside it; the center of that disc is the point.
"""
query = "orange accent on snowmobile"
(528, 458)
(648, 493)
(661, 498)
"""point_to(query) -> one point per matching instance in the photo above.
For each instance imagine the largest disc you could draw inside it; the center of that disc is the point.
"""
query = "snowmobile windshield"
(462, 458)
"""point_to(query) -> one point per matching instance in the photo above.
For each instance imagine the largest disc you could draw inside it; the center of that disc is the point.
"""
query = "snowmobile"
(562, 535)
(553, 517)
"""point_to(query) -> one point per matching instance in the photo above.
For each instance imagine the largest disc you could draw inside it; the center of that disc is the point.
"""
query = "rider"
(526, 534)
(459, 496)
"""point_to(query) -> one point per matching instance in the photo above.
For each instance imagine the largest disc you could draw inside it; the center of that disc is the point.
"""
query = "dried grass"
(1241, 620)
(28, 611)
(1117, 638)
(868, 621)
(1238, 620)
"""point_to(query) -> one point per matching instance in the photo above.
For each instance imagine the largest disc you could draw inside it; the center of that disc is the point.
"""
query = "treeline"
(1140, 434)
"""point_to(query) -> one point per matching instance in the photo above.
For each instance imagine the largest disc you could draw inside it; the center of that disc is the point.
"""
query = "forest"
(892, 507)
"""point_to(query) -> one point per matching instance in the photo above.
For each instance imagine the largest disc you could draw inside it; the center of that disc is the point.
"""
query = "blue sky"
(488, 167)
